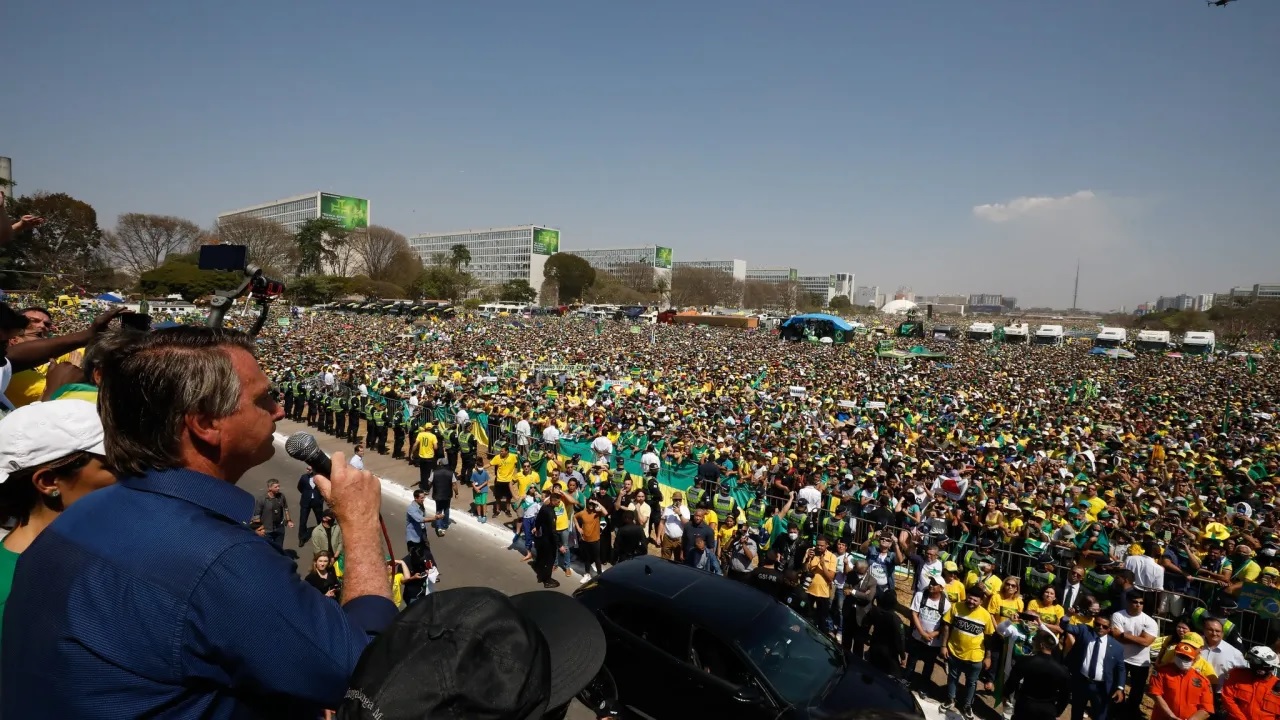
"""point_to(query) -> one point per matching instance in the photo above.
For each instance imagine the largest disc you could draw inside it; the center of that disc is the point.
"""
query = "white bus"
(1049, 335)
(1018, 333)
(1199, 343)
(1111, 337)
(496, 308)
(1153, 340)
(981, 331)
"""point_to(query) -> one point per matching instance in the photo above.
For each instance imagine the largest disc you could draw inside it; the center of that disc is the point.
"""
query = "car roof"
(711, 601)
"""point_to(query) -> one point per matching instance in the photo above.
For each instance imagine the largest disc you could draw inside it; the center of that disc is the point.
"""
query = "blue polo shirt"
(153, 598)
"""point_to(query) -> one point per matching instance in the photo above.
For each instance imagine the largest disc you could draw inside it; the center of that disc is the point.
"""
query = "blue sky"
(943, 145)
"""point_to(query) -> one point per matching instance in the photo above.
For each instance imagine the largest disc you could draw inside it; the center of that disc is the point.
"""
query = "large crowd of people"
(1052, 528)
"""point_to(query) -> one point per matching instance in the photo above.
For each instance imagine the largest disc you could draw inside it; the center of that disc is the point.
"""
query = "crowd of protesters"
(1036, 487)
(1009, 512)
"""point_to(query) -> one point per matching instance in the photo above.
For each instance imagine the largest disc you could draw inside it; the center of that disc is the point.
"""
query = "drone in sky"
(1220, 3)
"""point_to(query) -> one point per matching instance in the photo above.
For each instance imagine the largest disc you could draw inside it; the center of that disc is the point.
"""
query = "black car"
(684, 643)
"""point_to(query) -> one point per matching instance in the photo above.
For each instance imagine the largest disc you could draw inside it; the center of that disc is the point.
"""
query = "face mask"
(794, 536)
(1183, 663)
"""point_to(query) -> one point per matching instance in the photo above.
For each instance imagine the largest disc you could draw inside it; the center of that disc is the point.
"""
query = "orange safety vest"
(1184, 692)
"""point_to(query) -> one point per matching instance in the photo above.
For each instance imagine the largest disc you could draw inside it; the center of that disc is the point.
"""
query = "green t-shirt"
(8, 564)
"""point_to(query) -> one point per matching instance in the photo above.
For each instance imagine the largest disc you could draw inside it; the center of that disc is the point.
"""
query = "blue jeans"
(955, 667)
(526, 529)
(562, 558)
(443, 522)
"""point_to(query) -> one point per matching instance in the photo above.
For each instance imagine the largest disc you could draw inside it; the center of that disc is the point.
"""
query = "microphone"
(302, 446)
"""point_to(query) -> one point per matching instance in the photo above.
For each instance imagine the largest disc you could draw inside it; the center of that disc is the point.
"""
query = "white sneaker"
(584, 579)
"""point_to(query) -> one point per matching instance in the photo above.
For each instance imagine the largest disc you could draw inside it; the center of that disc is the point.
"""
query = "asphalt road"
(470, 554)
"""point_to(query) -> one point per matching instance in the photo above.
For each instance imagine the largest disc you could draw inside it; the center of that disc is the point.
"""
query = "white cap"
(42, 432)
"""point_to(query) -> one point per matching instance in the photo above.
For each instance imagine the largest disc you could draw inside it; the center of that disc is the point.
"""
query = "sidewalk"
(398, 477)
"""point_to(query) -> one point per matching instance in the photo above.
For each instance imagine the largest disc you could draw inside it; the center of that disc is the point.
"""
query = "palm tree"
(459, 257)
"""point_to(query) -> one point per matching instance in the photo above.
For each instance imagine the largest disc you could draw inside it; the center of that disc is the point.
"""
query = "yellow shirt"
(562, 518)
(992, 584)
(954, 591)
(1049, 614)
(969, 628)
(523, 482)
(505, 467)
(827, 563)
(28, 386)
(1004, 608)
(427, 442)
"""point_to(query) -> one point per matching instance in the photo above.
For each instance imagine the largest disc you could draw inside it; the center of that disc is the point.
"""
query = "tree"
(379, 247)
(704, 287)
(66, 245)
(181, 275)
(840, 303)
(344, 252)
(270, 245)
(459, 257)
(610, 290)
(314, 289)
(572, 274)
(141, 242)
(637, 276)
(404, 269)
(316, 240)
(517, 291)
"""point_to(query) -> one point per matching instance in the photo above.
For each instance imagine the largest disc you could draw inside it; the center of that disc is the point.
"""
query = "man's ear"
(204, 429)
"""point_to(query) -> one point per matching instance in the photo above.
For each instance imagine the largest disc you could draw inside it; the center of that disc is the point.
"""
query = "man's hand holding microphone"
(356, 499)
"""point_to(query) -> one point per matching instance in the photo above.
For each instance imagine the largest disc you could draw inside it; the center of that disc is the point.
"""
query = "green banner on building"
(545, 241)
(351, 213)
(793, 275)
(662, 257)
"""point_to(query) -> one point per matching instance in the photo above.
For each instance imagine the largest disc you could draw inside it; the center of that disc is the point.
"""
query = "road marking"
(404, 495)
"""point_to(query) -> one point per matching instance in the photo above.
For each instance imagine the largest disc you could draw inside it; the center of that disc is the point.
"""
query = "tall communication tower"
(1075, 294)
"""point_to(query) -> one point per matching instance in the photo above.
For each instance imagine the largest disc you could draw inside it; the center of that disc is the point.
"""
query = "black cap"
(476, 653)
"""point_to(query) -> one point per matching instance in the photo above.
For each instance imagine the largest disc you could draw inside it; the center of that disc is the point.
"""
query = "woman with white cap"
(51, 454)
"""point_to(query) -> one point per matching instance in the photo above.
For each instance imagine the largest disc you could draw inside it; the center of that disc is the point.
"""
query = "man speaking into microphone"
(153, 598)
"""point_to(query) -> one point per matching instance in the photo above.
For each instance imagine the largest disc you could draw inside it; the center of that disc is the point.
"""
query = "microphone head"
(301, 446)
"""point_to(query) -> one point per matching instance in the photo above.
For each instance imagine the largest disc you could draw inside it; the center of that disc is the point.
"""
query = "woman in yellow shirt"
(1006, 604)
(1046, 607)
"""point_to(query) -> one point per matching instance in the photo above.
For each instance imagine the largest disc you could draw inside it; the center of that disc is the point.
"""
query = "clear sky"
(944, 145)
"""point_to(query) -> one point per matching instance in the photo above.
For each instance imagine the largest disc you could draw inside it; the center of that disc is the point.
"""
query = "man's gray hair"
(150, 384)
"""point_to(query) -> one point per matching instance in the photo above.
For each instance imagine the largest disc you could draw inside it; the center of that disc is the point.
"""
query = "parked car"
(685, 643)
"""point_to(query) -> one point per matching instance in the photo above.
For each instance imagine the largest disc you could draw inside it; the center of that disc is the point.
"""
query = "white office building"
(291, 212)
(773, 274)
(736, 268)
(498, 255)
(868, 295)
(616, 260)
(826, 287)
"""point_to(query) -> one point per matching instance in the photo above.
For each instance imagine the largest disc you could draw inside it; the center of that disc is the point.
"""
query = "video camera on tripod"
(234, 258)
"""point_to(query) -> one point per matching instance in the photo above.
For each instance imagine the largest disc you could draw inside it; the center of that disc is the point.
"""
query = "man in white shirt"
(930, 568)
(523, 433)
(1136, 631)
(1220, 654)
(928, 607)
(1148, 573)
(602, 446)
(650, 461)
(671, 528)
(462, 418)
(810, 493)
(357, 458)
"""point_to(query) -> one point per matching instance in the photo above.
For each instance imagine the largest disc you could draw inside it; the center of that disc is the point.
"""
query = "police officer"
(358, 405)
(370, 427)
(835, 527)
(1037, 577)
(339, 414)
(380, 428)
(286, 385)
(1098, 581)
(398, 432)
(449, 445)
(723, 503)
(313, 405)
(465, 442)
(756, 511)
(972, 557)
